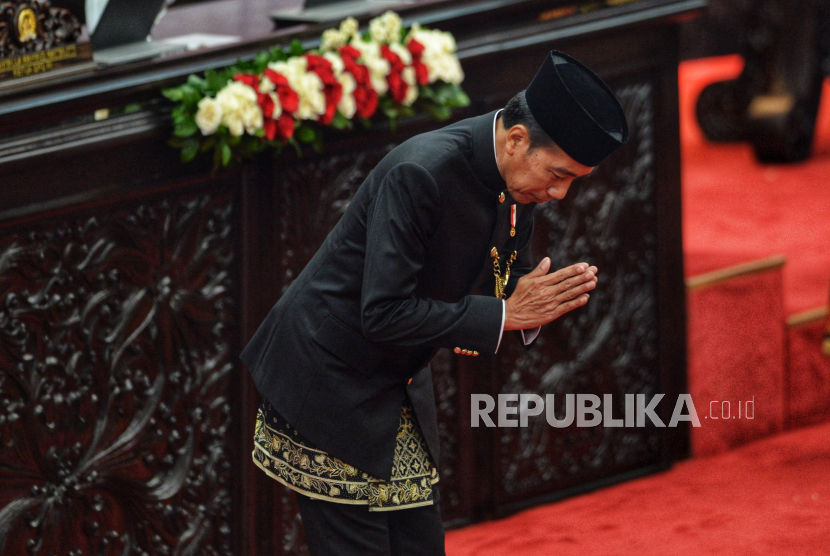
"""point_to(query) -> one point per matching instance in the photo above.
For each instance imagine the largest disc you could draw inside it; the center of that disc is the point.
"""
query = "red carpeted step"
(768, 498)
(808, 374)
(736, 354)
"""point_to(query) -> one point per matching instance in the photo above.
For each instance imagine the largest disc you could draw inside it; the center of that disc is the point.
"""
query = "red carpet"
(736, 210)
(771, 497)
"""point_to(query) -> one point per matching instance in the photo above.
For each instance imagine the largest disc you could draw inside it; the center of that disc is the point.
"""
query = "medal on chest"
(502, 276)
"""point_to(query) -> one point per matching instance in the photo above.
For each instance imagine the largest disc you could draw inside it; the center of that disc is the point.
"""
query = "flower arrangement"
(289, 97)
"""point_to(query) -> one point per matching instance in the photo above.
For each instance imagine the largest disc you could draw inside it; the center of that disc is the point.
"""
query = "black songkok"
(576, 109)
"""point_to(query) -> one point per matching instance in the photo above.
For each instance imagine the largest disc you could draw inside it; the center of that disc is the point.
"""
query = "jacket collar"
(484, 159)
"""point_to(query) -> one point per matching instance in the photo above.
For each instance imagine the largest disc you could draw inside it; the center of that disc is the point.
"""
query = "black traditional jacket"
(407, 270)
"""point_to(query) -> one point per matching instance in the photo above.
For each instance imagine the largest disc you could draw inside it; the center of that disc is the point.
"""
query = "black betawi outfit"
(342, 359)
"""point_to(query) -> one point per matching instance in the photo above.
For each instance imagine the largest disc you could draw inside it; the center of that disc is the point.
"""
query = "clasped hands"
(540, 297)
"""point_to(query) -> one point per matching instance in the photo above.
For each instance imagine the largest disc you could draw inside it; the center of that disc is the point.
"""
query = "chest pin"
(512, 220)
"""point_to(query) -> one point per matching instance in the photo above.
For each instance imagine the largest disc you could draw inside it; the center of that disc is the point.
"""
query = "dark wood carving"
(116, 340)
(55, 27)
(608, 347)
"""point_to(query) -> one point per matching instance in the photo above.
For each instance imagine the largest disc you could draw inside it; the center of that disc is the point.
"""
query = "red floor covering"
(736, 210)
(768, 498)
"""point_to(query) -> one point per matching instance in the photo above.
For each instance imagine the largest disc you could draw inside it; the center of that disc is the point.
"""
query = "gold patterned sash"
(285, 455)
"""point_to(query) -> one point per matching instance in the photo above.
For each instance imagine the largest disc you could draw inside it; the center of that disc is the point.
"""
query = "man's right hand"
(540, 297)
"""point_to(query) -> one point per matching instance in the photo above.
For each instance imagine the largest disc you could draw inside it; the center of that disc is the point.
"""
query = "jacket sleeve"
(400, 221)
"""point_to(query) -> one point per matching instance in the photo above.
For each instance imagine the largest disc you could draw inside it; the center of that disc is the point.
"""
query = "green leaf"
(132, 108)
(175, 94)
(226, 154)
(196, 82)
(215, 81)
(261, 62)
(341, 122)
(296, 48)
(278, 54)
(440, 113)
(190, 150)
(305, 134)
(293, 142)
(186, 128)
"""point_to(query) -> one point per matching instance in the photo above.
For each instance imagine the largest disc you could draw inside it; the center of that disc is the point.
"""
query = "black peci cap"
(576, 109)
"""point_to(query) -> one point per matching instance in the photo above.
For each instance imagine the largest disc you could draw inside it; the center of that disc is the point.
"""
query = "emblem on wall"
(26, 24)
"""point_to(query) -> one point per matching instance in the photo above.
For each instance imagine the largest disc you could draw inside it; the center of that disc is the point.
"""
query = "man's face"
(536, 175)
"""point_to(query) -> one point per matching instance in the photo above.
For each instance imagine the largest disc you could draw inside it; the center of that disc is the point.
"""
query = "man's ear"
(516, 137)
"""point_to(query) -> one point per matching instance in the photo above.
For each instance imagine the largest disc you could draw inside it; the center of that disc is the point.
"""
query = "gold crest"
(26, 25)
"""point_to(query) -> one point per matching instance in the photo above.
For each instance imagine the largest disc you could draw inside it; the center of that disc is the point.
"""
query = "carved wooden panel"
(607, 347)
(117, 329)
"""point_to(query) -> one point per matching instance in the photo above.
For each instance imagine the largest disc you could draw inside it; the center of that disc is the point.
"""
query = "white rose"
(235, 95)
(333, 39)
(389, 27)
(349, 27)
(347, 105)
(240, 111)
(235, 124)
(209, 116)
(408, 75)
(252, 118)
(377, 66)
(312, 99)
(308, 85)
(337, 65)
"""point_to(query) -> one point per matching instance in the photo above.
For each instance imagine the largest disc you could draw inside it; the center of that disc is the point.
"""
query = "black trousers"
(350, 530)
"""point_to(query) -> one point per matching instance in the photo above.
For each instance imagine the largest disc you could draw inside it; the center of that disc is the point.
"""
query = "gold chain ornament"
(501, 281)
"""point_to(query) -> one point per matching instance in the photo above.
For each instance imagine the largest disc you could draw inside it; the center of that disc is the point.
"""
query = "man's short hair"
(517, 112)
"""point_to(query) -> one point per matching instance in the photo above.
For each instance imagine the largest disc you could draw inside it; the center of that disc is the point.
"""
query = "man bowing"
(432, 252)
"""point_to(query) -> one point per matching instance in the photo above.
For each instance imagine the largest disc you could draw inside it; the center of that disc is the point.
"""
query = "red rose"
(266, 103)
(366, 101)
(394, 60)
(415, 48)
(282, 127)
(289, 99)
(332, 90)
(285, 126)
(269, 126)
(421, 71)
(249, 80)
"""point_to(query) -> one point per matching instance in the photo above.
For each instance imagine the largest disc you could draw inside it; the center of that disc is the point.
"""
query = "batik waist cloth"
(285, 455)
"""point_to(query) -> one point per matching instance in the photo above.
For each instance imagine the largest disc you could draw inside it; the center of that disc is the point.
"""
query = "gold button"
(494, 252)
(501, 197)
(457, 350)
